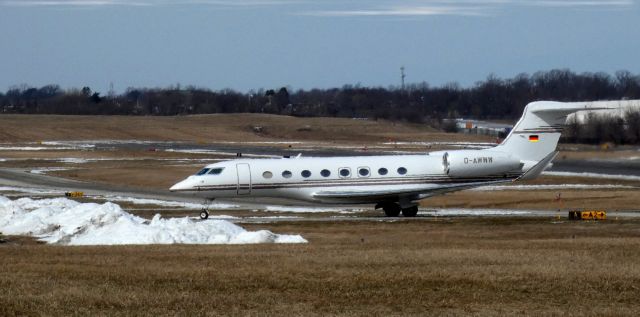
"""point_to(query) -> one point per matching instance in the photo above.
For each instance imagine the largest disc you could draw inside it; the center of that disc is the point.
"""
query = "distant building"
(581, 116)
(483, 127)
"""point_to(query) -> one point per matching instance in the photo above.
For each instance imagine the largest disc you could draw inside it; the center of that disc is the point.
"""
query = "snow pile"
(64, 221)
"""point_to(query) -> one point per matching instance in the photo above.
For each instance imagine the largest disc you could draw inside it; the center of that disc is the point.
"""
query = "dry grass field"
(487, 267)
(212, 128)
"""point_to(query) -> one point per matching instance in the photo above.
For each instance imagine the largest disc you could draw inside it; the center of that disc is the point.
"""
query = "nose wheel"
(204, 214)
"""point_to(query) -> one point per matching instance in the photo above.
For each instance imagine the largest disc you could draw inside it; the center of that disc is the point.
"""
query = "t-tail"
(534, 138)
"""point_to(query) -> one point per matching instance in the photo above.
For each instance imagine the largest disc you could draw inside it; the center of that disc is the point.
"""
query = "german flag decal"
(534, 138)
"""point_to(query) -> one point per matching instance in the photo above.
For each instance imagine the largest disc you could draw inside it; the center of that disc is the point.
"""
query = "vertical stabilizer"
(536, 134)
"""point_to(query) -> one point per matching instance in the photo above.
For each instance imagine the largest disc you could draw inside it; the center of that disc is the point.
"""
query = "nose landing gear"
(204, 214)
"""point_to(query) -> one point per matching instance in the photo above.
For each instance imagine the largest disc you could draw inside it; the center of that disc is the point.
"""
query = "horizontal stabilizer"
(537, 169)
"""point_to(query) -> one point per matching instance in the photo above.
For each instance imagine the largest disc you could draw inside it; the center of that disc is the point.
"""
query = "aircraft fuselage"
(330, 180)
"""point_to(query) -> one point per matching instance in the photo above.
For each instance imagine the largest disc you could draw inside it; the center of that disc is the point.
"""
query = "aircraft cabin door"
(244, 179)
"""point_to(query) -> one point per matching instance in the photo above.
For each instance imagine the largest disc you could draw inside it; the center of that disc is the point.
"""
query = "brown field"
(212, 128)
(430, 266)
(481, 267)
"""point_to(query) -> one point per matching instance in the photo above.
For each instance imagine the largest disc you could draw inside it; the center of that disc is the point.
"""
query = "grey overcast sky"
(251, 44)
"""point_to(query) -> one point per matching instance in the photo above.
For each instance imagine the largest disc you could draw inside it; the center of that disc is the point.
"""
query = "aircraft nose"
(183, 185)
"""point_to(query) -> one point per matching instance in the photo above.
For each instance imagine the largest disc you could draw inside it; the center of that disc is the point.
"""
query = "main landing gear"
(393, 210)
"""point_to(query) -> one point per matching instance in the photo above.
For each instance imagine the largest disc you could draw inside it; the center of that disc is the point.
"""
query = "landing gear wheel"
(410, 212)
(204, 214)
(391, 210)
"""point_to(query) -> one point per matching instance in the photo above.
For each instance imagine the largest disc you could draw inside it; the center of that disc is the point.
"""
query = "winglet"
(537, 169)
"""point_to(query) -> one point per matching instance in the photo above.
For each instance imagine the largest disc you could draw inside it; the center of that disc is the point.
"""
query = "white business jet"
(394, 183)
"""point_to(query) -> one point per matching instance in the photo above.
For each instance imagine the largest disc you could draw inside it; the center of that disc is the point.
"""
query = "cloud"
(408, 8)
(329, 8)
(71, 3)
(138, 3)
(587, 3)
(403, 11)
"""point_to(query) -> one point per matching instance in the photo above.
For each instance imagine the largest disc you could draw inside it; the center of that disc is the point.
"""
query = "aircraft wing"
(412, 193)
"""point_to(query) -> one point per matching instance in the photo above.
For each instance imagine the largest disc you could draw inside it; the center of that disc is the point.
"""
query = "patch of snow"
(221, 217)
(615, 159)
(168, 203)
(475, 212)
(593, 175)
(309, 209)
(31, 148)
(275, 217)
(48, 169)
(108, 142)
(29, 190)
(69, 144)
(474, 145)
(73, 160)
(258, 142)
(551, 187)
(64, 221)
(216, 152)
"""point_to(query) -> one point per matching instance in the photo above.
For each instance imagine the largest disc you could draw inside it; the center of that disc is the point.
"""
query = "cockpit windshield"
(210, 171)
(203, 171)
(215, 171)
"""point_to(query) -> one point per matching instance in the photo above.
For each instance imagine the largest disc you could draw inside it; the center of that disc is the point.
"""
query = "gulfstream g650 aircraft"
(395, 182)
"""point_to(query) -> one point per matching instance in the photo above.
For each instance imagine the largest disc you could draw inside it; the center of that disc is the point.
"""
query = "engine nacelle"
(478, 163)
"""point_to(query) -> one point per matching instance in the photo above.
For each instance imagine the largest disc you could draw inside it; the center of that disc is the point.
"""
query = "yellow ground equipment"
(74, 194)
(588, 215)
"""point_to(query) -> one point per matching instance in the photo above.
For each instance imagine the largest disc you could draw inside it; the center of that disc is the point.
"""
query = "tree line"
(492, 98)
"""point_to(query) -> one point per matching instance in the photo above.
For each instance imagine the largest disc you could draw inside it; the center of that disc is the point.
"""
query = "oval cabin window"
(345, 172)
(305, 174)
(267, 174)
(363, 171)
(325, 173)
(382, 171)
(286, 174)
(402, 170)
